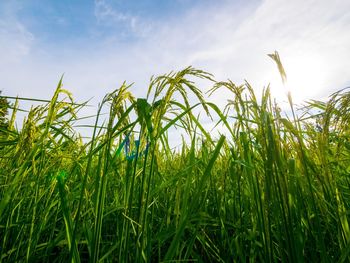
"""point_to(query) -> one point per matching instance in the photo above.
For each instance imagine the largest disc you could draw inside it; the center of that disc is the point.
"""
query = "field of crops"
(274, 187)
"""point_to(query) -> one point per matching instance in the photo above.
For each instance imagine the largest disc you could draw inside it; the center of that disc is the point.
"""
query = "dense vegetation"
(4, 105)
(274, 187)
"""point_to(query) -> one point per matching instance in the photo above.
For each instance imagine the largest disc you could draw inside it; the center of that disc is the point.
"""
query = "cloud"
(107, 15)
(310, 36)
(15, 40)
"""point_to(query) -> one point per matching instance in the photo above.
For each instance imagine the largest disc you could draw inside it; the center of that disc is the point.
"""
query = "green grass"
(272, 188)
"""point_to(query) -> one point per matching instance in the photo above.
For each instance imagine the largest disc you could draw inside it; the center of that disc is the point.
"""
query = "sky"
(99, 44)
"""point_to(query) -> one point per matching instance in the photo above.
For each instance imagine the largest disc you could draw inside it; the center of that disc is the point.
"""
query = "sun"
(305, 79)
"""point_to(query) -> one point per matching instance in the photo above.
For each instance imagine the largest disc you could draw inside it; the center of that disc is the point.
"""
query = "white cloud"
(15, 41)
(107, 15)
(310, 35)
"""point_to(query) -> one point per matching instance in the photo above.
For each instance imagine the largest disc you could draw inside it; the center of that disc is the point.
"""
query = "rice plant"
(273, 187)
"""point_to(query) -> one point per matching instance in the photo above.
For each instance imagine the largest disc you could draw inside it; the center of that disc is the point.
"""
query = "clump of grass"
(271, 188)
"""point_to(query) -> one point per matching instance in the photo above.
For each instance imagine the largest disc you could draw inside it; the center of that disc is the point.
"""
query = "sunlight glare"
(305, 79)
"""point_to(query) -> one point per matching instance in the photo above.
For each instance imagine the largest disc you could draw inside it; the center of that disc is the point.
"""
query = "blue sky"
(88, 24)
(60, 22)
(99, 44)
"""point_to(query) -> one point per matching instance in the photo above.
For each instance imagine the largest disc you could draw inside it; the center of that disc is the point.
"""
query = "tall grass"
(272, 188)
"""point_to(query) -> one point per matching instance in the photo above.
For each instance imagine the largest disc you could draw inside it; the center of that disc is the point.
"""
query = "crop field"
(274, 187)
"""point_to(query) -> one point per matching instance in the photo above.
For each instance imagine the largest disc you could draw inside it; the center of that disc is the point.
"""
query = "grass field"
(274, 187)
